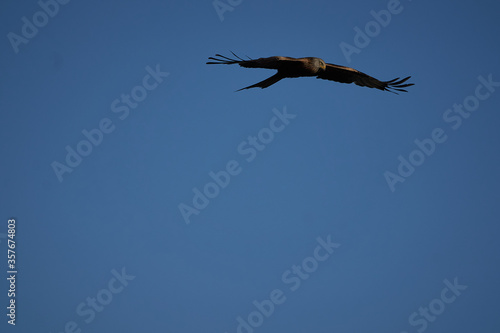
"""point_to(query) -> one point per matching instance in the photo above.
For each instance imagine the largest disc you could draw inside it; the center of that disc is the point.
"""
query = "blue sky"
(333, 220)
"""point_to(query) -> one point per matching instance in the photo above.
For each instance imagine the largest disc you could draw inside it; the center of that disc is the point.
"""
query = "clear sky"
(149, 196)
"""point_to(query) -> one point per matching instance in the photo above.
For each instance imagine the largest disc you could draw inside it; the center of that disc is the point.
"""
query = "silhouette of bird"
(288, 67)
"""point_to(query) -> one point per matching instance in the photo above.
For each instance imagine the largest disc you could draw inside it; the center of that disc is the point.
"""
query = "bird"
(288, 67)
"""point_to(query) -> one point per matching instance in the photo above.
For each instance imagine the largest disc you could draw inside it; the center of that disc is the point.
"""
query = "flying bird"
(288, 67)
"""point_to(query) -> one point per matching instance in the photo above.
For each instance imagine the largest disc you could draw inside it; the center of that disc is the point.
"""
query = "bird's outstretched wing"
(350, 75)
(278, 63)
(270, 62)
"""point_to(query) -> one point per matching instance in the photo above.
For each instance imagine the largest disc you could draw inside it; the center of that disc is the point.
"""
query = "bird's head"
(320, 64)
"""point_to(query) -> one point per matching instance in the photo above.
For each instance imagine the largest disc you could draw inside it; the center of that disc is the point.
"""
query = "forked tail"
(266, 83)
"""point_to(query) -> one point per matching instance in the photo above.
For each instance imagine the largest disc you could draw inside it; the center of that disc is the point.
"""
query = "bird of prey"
(297, 67)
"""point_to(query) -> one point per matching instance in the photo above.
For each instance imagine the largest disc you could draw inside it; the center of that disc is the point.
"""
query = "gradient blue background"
(322, 175)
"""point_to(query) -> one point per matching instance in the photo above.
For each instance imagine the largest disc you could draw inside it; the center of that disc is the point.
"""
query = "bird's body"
(291, 67)
(288, 67)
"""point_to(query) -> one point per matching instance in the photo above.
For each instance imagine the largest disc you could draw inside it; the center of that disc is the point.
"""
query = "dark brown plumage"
(297, 67)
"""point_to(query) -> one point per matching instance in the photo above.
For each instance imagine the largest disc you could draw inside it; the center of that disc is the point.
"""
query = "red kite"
(311, 66)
